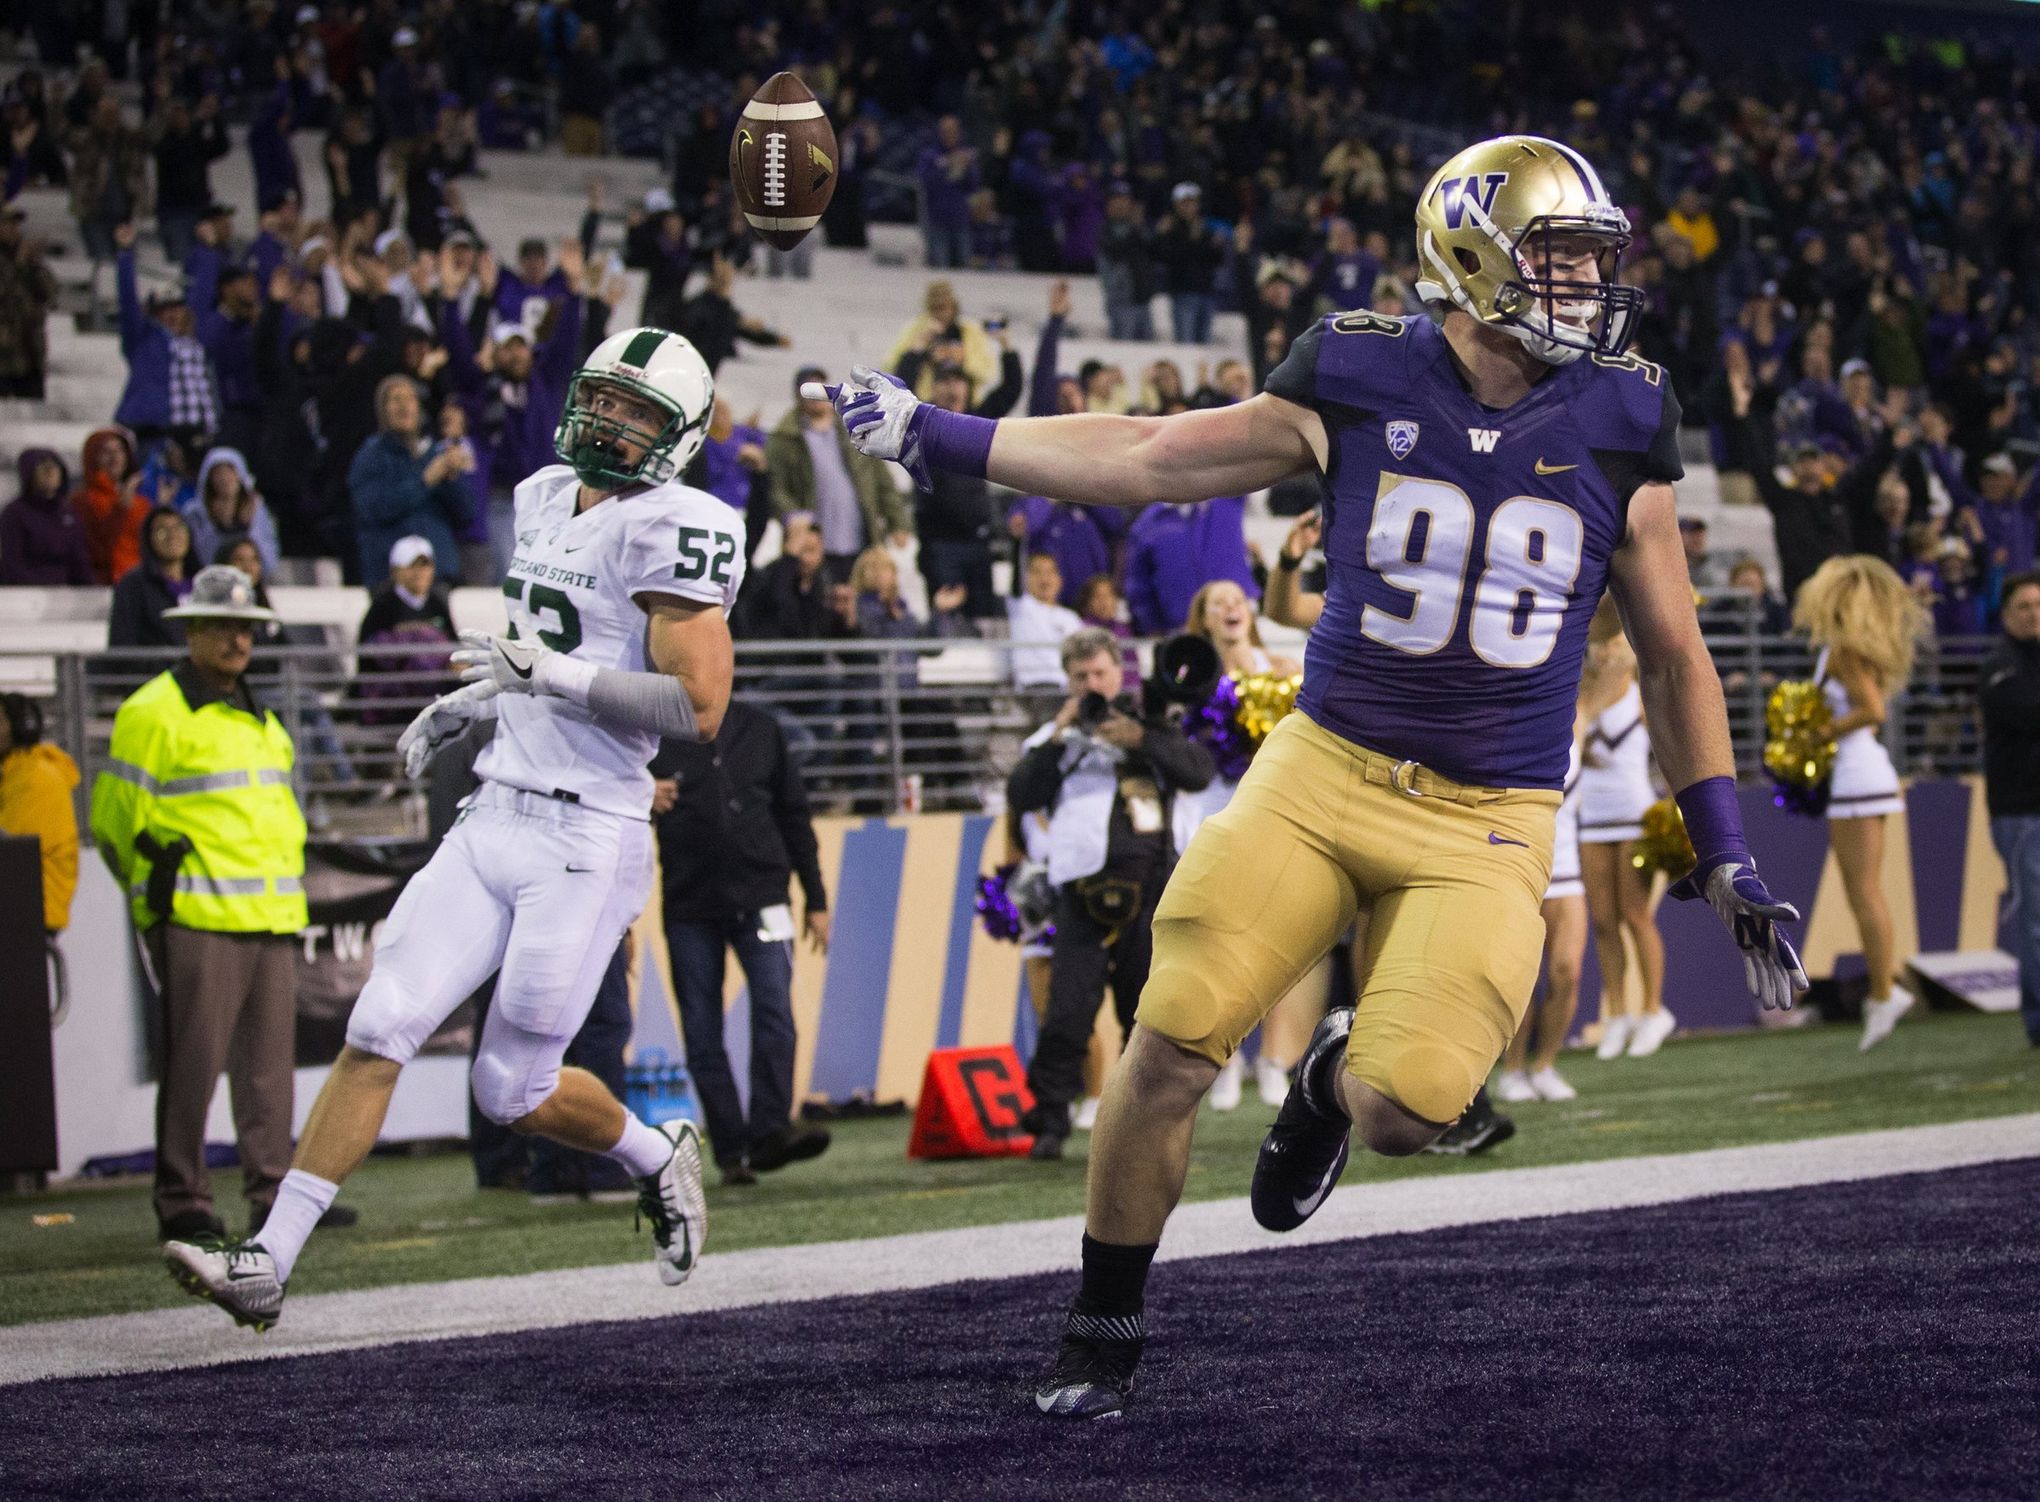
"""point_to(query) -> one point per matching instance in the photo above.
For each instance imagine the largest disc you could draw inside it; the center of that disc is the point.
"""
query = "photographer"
(1108, 770)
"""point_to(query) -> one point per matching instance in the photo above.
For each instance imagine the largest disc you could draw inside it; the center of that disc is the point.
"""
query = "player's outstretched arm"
(1091, 457)
(1689, 735)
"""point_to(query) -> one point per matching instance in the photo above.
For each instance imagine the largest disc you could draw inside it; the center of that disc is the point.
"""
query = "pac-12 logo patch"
(1402, 437)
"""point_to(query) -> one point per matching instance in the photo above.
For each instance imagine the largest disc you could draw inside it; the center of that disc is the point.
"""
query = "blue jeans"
(2017, 837)
(1190, 316)
(697, 951)
(1130, 320)
(947, 245)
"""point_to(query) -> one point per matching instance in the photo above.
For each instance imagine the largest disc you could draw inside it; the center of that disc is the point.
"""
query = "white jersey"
(574, 584)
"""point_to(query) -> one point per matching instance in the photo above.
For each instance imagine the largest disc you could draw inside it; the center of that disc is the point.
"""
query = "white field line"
(196, 1335)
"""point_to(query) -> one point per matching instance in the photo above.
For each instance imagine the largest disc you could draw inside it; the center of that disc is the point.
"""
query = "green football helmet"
(657, 367)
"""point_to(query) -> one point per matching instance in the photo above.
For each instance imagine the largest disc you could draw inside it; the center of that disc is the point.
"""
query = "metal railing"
(882, 727)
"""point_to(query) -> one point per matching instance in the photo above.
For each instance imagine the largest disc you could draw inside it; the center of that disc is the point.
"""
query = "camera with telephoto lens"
(1186, 670)
(1094, 709)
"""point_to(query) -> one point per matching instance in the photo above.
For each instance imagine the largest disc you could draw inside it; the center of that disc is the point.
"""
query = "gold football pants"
(1452, 876)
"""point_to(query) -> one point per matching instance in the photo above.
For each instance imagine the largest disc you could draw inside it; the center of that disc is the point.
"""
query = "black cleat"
(1093, 1373)
(1480, 1127)
(1305, 1150)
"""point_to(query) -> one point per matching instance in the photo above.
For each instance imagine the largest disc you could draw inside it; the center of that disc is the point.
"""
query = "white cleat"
(1087, 1114)
(1648, 1034)
(1614, 1038)
(1880, 1017)
(673, 1201)
(1272, 1080)
(1225, 1090)
(1514, 1087)
(238, 1276)
(1549, 1084)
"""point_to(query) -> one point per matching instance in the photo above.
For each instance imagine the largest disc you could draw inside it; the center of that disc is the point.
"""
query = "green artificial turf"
(422, 1218)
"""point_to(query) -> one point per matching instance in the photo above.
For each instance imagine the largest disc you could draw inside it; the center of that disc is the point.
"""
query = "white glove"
(440, 723)
(515, 664)
(878, 411)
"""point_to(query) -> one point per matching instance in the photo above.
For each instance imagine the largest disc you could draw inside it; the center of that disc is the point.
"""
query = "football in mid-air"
(783, 161)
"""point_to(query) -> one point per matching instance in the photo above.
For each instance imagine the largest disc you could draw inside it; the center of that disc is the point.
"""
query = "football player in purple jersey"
(1489, 471)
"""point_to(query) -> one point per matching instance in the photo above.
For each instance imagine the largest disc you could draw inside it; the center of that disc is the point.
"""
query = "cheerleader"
(1222, 614)
(1615, 790)
(1529, 1074)
(1865, 623)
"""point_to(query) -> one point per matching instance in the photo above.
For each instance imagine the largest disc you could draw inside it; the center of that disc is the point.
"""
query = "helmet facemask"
(1530, 298)
(588, 440)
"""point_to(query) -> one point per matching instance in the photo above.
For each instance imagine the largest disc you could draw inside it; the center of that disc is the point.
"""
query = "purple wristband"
(956, 441)
(1713, 821)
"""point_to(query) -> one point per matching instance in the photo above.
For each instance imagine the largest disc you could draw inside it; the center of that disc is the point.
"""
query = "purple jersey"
(1466, 547)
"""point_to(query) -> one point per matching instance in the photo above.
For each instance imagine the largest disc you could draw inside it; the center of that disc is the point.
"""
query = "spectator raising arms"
(42, 540)
(398, 490)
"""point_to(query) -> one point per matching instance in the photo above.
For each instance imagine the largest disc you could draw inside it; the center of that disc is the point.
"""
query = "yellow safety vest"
(219, 778)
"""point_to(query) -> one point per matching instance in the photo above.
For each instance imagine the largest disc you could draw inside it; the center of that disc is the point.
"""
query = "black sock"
(1322, 1088)
(1115, 1277)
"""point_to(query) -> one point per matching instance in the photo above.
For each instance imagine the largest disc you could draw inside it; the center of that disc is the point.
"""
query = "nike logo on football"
(1553, 469)
(1497, 839)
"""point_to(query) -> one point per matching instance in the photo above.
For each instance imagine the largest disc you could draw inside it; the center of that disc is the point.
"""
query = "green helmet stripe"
(640, 350)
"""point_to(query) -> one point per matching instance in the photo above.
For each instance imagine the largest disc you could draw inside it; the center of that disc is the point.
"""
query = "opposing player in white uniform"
(619, 594)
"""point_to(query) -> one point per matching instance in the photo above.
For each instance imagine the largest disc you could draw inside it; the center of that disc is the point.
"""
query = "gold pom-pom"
(1665, 846)
(1799, 744)
(1264, 699)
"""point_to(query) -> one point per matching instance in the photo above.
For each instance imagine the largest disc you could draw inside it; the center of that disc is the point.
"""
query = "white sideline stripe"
(757, 109)
(193, 1335)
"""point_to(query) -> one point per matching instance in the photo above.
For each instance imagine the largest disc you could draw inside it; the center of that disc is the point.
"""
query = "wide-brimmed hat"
(221, 593)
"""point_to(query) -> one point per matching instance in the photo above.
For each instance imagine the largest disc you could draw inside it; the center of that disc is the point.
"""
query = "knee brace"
(1180, 1003)
(510, 1087)
(1431, 1081)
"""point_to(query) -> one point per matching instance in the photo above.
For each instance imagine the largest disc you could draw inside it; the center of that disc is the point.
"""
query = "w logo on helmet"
(1455, 191)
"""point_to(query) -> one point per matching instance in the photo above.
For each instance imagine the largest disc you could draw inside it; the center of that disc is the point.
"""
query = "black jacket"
(1811, 527)
(741, 829)
(2010, 697)
(1177, 764)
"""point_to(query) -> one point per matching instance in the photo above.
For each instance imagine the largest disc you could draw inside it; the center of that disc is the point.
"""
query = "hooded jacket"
(144, 593)
(109, 513)
(35, 799)
(41, 539)
(208, 536)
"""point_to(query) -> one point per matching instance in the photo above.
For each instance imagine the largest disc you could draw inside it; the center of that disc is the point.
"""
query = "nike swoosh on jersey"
(1309, 1204)
(1498, 839)
(1553, 469)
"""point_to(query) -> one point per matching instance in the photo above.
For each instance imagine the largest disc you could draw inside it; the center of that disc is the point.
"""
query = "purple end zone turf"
(1870, 1340)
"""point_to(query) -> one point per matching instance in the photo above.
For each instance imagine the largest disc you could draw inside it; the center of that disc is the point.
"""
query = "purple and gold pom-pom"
(1664, 846)
(1799, 747)
(995, 906)
(1242, 709)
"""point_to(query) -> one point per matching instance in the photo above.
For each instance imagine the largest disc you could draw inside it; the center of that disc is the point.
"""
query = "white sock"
(642, 1149)
(300, 1201)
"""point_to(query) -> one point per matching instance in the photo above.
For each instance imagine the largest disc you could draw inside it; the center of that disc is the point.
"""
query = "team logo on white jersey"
(1402, 437)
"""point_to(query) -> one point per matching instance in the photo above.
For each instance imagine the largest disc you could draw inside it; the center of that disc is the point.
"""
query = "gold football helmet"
(1489, 224)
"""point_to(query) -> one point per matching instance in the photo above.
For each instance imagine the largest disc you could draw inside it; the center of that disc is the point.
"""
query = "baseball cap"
(1185, 190)
(404, 37)
(504, 332)
(388, 238)
(2000, 464)
(1857, 366)
(1120, 188)
(166, 297)
(459, 237)
(406, 551)
(307, 14)
(221, 592)
(658, 201)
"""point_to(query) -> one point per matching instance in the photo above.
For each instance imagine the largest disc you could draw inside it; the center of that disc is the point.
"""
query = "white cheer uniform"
(1864, 783)
(551, 859)
(1615, 786)
(1565, 839)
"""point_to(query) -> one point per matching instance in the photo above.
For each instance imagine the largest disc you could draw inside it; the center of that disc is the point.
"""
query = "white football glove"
(881, 415)
(440, 723)
(513, 663)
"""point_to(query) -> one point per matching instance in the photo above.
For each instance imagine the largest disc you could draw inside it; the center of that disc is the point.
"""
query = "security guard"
(195, 815)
